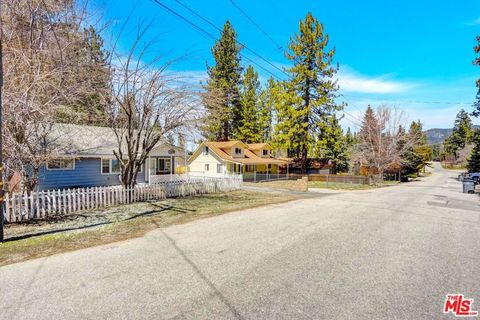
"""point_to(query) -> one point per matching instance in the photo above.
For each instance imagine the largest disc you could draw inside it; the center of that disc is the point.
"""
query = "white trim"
(157, 158)
(62, 169)
(109, 167)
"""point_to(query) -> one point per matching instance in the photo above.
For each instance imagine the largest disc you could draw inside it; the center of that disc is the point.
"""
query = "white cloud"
(351, 81)
(192, 77)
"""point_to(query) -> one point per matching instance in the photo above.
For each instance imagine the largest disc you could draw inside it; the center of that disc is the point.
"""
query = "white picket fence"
(195, 175)
(42, 204)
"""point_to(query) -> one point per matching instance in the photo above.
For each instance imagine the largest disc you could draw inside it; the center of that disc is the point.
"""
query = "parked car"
(475, 176)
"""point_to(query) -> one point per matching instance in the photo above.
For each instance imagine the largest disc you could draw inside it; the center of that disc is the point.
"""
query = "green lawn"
(87, 229)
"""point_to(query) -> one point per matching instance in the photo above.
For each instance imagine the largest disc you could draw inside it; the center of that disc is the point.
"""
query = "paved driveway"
(391, 253)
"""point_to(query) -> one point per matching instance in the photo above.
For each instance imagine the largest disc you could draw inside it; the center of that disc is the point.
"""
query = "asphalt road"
(390, 253)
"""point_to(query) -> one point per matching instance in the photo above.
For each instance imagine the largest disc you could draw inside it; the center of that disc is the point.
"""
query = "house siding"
(198, 164)
(87, 173)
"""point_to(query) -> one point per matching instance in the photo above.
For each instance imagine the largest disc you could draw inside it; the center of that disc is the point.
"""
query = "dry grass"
(348, 186)
(293, 185)
(44, 238)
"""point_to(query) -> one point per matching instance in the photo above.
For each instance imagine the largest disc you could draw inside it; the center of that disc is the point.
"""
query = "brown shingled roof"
(250, 157)
(258, 146)
(225, 144)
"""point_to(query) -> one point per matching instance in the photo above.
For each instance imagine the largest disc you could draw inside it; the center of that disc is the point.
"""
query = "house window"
(115, 166)
(205, 151)
(207, 167)
(105, 166)
(265, 152)
(164, 165)
(238, 151)
(61, 164)
(219, 168)
(110, 166)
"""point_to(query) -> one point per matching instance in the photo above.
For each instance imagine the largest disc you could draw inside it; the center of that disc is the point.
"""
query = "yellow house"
(213, 158)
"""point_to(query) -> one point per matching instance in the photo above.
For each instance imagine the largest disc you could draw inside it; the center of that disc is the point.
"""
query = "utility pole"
(1, 124)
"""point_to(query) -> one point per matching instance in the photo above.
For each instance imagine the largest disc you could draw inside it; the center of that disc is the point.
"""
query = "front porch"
(164, 168)
(258, 172)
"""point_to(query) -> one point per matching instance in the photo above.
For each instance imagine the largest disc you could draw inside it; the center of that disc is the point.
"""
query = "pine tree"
(416, 156)
(249, 129)
(286, 124)
(369, 142)
(476, 62)
(268, 99)
(473, 163)
(222, 99)
(349, 138)
(369, 124)
(312, 81)
(96, 74)
(88, 77)
(333, 145)
(461, 134)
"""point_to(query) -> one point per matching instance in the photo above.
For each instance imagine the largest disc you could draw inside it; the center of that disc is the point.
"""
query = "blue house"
(83, 157)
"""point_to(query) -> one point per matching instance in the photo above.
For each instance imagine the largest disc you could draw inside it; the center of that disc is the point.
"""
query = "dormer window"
(205, 151)
(238, 151)
(265, 152)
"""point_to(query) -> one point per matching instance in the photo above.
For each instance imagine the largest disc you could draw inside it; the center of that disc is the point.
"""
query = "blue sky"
(415, 55)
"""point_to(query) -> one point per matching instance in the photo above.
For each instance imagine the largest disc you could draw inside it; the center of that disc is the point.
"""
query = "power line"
(198, 15)
(350, 103)
(238, 42)
(216, 39)
(279, 47)
(355, 122)
(412, 101)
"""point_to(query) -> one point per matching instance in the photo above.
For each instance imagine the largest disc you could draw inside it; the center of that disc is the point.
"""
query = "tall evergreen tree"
(417, 156)
(312, 80)
(223, 88)
(286, 124)
(349, 137)
(473, 163)
(93, 77)
(333, 145)
(269, 97)
(476, 62)
(369, 137)
(248, 130)
(370, 124)
(461, 134)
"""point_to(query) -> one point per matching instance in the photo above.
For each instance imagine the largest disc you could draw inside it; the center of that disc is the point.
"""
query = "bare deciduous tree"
(383, 141)
(148, 104)
(35, 70)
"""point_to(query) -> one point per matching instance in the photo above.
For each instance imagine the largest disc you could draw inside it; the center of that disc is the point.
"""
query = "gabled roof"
(258, 146)
(249, 157)
(225, 144)
(81, 140)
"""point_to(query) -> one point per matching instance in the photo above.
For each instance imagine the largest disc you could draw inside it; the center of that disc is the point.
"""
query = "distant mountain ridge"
(438, 135)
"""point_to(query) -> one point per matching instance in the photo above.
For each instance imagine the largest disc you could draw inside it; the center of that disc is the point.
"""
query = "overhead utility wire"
(279, 47)
(410, 101)
(216, 39)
